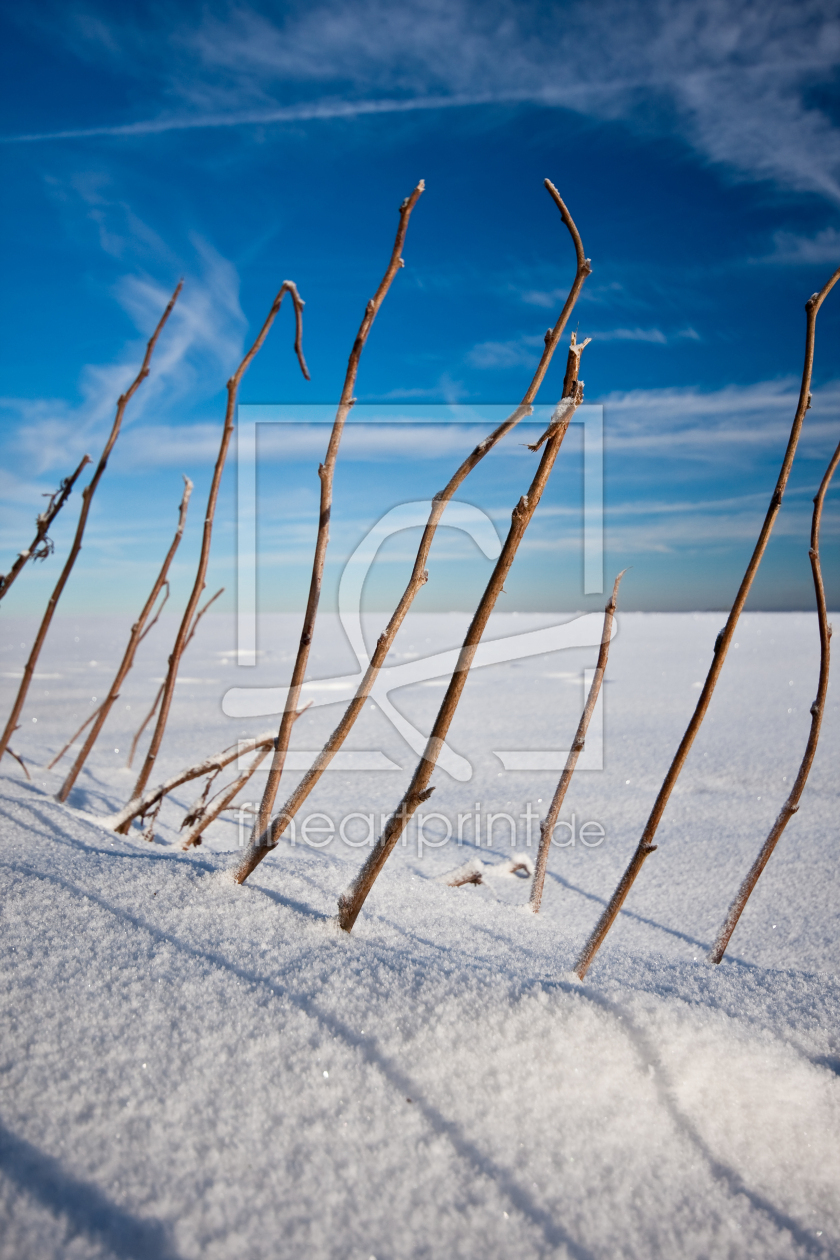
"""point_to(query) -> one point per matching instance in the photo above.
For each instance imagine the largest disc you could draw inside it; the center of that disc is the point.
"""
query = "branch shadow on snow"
(84, 1207)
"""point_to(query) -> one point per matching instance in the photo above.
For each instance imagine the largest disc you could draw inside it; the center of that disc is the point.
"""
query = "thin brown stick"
(325, 473)
(547, 827)
(147, 719)
(71, 741)
(351, 901)
(791, 805)
(139, 806)
(41, 545)
(200, 815)
(645, 846)
(20, 762)
(189, 612)
(134, 639)
(87, 499)
(267, 840)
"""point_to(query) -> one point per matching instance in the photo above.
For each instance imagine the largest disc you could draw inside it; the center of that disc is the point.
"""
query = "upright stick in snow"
(325, 473)
(547, 827)
(262, 843)
(351, 902)
(41, 546)
(791, 805)
(646, 845)
(87, 499)
(204, 558)
(137, 634)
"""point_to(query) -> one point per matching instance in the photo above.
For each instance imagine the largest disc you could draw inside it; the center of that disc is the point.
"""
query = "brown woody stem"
(204, 558)
(40, 547)
(87, 499)
(351, 901)
(263, 841)
(137, 633)
(645, 846)
(325, 473)
(791, 805)
(550, 822)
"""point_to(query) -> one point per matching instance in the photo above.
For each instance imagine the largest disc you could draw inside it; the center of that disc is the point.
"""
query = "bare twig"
(325, 473)
(20, 762)
(87, 498)
(266, 840)
(134, 639)
(147, 719)
(137, 807)
(41, 545)
(351, 901)
(71, 741)
(204, 558)
(547, 827)
(791, 805)
(202, 814)
(646, 846)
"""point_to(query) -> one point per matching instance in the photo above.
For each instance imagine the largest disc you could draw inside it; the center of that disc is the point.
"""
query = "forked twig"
(351, 901)
(20, 762)
(203, 813)
(147, 719)
(325, 473)
(550, 822)
(791, 805)
(262, 843)
(87, 498)
(139, 806)
(204, 558)
(134, 639)
(646, 846)
(41, 545)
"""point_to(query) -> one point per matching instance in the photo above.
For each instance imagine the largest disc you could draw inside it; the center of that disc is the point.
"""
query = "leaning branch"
(547, 827)
(87, 499)
(325, 473)
(262, 843)
(41, 545)
(646, 846)
(137, 633)
(791, 805)
(351, 902)
(139, 806)
(204, 558)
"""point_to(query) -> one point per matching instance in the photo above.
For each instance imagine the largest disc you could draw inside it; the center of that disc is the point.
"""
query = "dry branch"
(645, 846)
(41, 545)
(134, 639)
(351, 901)
(265, 840)
(791, 805)
(204, 558)
(325, 473)
(87, 498)
(550, 822)
(138, 807)
(147, 719)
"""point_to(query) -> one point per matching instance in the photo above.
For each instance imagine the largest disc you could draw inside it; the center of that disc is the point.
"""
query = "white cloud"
(199, 346)
(732, 77)
(519, 352)
(791, 249)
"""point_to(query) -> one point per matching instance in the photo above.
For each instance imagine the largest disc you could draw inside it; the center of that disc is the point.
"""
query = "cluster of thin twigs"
(145, 803)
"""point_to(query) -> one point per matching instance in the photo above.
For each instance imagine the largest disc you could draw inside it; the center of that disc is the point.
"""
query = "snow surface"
(193, 1069)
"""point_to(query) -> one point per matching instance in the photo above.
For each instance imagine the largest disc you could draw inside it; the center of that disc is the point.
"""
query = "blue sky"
(697, 145)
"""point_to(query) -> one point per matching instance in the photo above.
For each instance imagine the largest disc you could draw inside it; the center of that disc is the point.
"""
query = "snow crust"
(194, 1069)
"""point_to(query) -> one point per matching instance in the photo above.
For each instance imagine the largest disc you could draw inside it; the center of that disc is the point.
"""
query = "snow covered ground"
(193, 1069)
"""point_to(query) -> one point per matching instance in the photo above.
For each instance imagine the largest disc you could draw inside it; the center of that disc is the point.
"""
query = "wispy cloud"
(518, 352)
(201, 343)
(793, 250)
(733, 77)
